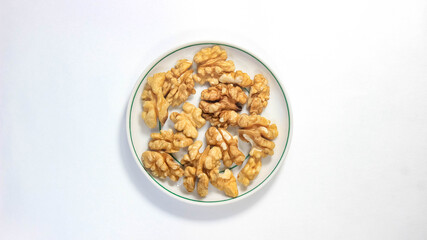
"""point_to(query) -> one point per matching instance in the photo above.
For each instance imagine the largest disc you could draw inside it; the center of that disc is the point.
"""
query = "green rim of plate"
(230, 46)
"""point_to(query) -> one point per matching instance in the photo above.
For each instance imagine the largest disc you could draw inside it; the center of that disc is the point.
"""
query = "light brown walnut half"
(225, 182)
(259, 95)
(189, 120)
(190, 178)
(228, 145)
(221, 103)
(249, 171)
(258, 131)
(193, 155)
(202, 184)
(209, 161)
(165, 89)
(198, 165)
(239, 78)
(162, 165)
(211, 64)
(179, 83)
(155, 106)
(168, 141)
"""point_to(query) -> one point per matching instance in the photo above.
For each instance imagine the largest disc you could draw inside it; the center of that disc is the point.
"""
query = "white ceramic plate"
(278, 111)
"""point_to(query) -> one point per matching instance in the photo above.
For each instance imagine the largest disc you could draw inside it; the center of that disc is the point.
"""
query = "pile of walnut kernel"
(220, 105)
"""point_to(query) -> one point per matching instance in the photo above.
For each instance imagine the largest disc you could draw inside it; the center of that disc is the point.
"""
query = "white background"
(355, 72)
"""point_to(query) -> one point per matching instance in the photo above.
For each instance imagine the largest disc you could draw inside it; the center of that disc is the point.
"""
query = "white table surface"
(356, 75)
